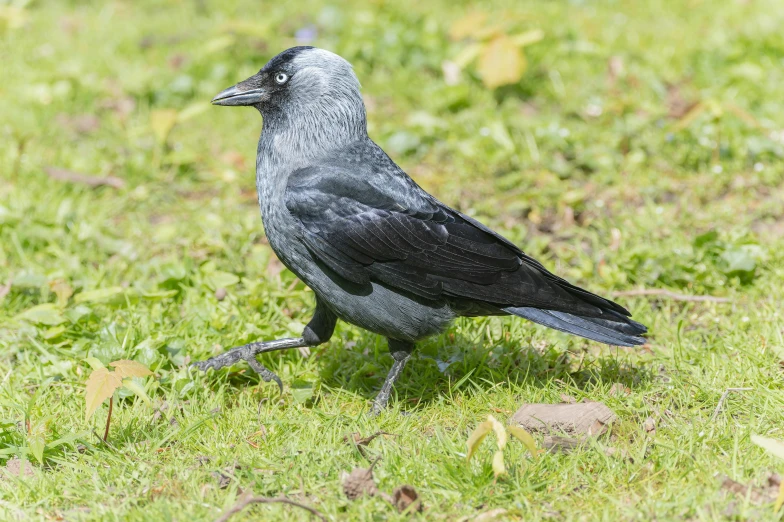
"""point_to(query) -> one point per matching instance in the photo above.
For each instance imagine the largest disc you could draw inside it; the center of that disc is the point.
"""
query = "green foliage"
(637, 151)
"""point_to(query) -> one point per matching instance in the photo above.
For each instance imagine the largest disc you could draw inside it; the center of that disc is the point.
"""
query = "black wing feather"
(367, 220)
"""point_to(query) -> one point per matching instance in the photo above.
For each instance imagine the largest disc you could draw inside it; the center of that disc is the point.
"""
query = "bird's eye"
(281, 78)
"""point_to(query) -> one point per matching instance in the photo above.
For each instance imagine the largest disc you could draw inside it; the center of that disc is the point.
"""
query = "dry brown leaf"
(650, 425)
(618, 390)
(359, 482)
(361, 442)
(591, 418)
(91, 181)
(405, 497)
(501, 62)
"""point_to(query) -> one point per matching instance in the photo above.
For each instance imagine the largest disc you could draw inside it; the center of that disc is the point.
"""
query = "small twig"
(75, 177)
(248, 498)
(108, 418)
(671, 295)
(723, 397)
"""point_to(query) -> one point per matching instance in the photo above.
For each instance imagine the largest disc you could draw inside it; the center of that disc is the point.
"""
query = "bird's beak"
(236, 96)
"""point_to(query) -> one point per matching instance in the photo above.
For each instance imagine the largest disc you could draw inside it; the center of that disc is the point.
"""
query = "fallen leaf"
(591, 418)
(405, 498)
(100, 386)
(359, 482)
(126, 368)
(91, 181)
(501, 62)
(650, 425)
(361, 442)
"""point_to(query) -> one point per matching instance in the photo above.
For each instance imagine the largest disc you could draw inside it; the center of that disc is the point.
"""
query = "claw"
(266, 374)
(248, 354)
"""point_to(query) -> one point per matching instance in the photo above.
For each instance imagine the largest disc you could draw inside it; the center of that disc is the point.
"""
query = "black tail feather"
(615, 329)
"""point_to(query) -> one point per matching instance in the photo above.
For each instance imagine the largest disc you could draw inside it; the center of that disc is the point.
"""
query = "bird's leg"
(318, 331)
(401, 353)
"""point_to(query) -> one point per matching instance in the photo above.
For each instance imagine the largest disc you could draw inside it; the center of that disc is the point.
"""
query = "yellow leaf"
(501, 62)
(499, 430)
(162, 122)
(498, 463)
(526, 438)
(467, 26)
(477, 437)
(779, 499)
(100, 386)
(772, 446)
(125, 368)
(528, 38)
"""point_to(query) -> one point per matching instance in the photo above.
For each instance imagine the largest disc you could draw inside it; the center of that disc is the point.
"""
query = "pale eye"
(281, 78)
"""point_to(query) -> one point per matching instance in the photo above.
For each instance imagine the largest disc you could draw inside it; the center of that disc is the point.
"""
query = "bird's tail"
(614, 329)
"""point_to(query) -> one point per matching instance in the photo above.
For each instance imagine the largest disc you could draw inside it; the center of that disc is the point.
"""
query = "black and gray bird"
(377, 250)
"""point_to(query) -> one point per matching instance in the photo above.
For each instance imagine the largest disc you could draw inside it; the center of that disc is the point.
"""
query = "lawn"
(642, 150)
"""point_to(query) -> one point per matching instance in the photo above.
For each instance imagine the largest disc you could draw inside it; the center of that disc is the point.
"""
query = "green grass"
(586, 164)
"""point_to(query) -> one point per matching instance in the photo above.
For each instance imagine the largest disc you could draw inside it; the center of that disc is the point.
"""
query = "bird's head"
(297, 78)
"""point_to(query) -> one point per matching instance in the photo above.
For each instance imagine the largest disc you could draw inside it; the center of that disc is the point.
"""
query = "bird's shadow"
(453, 364)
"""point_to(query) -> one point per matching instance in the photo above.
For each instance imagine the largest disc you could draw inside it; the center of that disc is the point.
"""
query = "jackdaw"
(377, 250)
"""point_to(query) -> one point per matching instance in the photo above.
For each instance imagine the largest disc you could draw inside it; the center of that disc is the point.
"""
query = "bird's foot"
(381, 400)
(248, 353)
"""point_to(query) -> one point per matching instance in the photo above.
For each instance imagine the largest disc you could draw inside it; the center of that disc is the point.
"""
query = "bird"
(378, 251)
